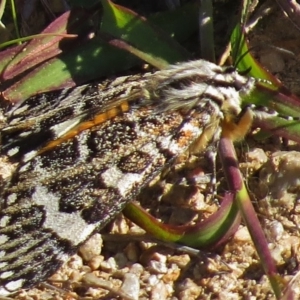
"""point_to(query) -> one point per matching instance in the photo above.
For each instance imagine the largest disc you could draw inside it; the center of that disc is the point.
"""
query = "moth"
(85, 152)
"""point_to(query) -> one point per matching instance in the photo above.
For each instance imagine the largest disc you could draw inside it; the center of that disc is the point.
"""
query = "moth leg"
(211, 153)
(236, 127)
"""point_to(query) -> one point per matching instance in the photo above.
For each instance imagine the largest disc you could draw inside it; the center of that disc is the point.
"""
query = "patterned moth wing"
(87, 151)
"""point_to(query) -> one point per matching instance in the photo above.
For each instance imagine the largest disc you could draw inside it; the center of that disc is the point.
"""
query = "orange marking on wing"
(98, 119)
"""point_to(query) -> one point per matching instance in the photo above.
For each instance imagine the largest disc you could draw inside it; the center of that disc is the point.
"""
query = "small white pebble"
(152, 280)
(109, 265)
(275, 230)
(157, 267)
(242, 235)
(75, 262)
(180, 260)
(92, 247)
(276, 252)
(95, 262)
(258, 156)
(137, 269)
(159, 257)
(189, 290)
(159, 292)
(131, 285)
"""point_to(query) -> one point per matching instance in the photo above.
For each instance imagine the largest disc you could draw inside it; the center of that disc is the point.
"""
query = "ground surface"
(143, 269)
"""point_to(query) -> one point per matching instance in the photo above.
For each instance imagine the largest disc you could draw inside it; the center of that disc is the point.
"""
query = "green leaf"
(124, 24)
(246, 63)
(66, 55)
(206, 234)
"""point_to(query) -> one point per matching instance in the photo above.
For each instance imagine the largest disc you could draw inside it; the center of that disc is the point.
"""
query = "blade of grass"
(245, 61)
(209, 233)
(269, 92)
(2, 7)
(235, 181)
(14, 17)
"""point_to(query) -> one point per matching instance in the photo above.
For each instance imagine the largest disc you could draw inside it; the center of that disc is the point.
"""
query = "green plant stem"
(14, 16)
